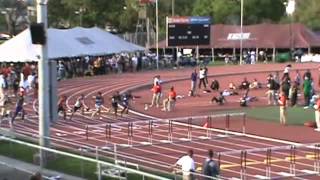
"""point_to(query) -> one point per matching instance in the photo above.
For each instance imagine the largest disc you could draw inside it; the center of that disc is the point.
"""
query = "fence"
(272, 162)
(81, 164)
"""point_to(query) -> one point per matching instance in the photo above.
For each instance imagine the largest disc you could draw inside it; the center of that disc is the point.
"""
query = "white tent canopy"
(65, 43)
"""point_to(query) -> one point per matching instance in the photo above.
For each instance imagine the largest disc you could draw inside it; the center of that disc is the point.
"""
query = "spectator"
(210, 167)
(187, 165)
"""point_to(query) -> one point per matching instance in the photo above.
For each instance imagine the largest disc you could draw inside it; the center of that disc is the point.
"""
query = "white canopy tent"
(65, 43)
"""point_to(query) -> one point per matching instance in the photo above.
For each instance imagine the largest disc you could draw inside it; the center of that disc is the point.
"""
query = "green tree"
(308, 13)
(228, 11)
(13, 10)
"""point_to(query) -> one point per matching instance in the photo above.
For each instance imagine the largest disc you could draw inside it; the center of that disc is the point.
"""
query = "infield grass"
(296, 115)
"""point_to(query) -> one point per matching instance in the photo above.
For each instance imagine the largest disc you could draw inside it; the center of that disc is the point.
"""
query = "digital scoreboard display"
(188, 31)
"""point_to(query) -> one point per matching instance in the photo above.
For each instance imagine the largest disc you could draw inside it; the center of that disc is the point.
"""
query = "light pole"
(157, 33)
(290, 8)
(172, 6)
(44, 87)
(80, 12)
(241, 31)
(5, 13)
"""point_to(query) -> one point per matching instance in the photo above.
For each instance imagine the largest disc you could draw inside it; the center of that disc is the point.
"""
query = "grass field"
(64, 164)
(296, 115)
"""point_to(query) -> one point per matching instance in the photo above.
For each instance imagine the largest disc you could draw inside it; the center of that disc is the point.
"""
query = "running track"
(163, 153)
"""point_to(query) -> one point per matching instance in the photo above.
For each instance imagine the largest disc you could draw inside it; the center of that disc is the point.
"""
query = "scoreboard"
(188, 31)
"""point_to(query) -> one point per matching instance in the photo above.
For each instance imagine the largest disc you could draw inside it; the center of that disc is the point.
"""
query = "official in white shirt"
(187, 165)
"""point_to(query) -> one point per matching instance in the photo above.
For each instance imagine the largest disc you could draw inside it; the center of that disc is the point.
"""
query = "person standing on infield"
(194, 76)
(317, 114)
(283, 108)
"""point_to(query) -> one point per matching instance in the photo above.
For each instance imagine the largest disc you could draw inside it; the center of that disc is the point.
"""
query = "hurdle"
(227, 123)
(87, 132)
(268, 163)
(244, 123)
(293, 160)
(316, 163)
(108, 131)
(243, 164)
(150, 131)
(219, 160)
(170, 129)
(209, 125)
(130, 133)
(190, 129)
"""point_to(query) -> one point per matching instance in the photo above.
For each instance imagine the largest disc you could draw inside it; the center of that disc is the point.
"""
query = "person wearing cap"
(283, 108)
(187, 165)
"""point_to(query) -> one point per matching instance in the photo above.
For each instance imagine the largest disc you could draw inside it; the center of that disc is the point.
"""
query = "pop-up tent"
(65, 43)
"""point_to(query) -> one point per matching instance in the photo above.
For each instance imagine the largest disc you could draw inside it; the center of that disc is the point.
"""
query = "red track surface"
(161, 155)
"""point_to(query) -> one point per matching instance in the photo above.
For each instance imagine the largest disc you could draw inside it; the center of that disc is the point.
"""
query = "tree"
(16, 15)
(228, 11)
(308, 13)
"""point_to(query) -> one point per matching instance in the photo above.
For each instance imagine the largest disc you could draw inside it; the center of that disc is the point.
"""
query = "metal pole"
(157, 33)
(43, 67)
(172, 6)
(80, 16)
(291, 37)
(241, 31)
